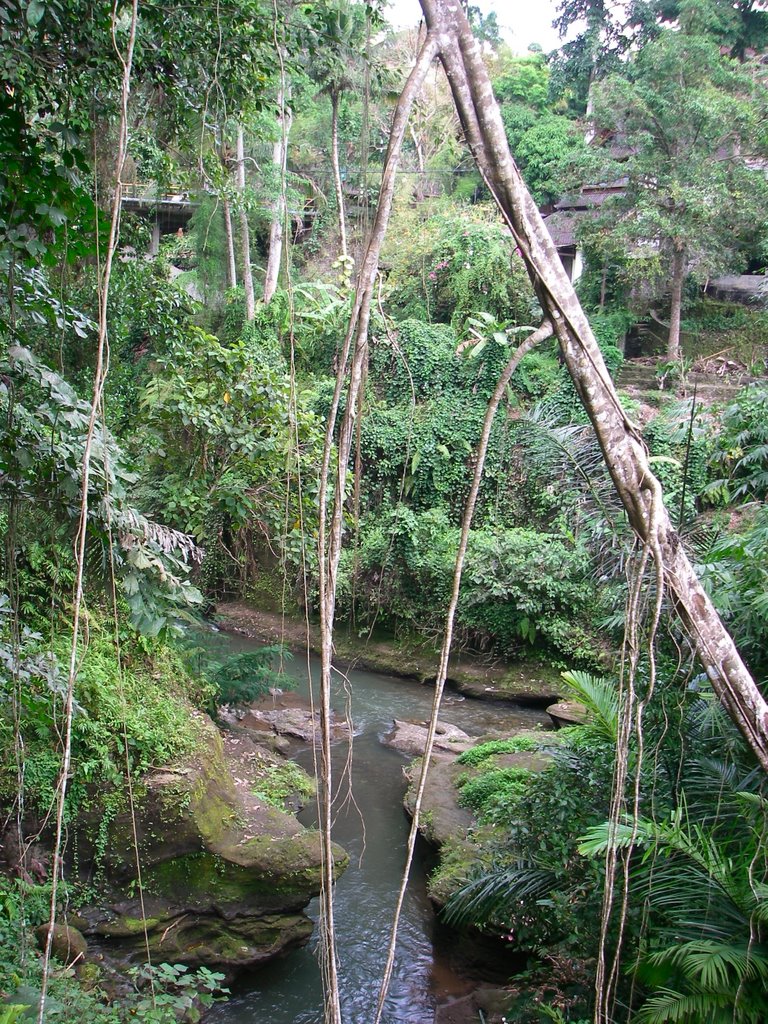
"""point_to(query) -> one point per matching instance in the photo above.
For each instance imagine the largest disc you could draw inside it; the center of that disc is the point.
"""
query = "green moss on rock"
(225, 876)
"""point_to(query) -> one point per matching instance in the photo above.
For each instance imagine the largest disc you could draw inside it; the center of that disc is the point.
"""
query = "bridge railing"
(148, 192)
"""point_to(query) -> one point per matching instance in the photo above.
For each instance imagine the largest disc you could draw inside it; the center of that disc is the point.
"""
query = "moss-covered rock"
(525, 682)
(447, 819)
(225, 874)
(442, 819)
(200, 938)
(67, 943)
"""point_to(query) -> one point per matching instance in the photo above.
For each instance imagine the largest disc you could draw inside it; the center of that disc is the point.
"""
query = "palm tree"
(707, 886)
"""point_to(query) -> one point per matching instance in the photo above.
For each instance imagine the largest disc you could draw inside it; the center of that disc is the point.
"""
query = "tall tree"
(278, 205)
(226, 208)
(245, 235)
(229, 237)
(338, 67)
(680, 125)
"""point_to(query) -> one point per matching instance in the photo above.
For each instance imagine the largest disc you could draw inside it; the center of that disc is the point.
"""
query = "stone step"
(640, 379)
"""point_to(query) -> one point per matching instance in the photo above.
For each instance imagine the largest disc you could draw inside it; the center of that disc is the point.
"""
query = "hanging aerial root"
(545, 331)
(98, 387)
(652, 549)
(330, 532)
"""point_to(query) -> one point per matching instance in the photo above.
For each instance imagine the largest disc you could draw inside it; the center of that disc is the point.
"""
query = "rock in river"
(411, 738)
(567, 712)
(225, 876)
(285, 714)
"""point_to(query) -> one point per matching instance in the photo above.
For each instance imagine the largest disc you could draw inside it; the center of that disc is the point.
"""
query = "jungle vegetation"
(204, 439)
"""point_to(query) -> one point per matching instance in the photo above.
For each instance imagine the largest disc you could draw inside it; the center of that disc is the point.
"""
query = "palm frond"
(619, 835)
(494, 896)
(599, 697)
(669, 1006)
(714, 965)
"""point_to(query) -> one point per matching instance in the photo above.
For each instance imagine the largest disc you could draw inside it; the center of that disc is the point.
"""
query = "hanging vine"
(330, 528)
(545, 331)
(126, 61)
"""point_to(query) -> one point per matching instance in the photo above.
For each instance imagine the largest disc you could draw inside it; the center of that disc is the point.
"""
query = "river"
(371, 825)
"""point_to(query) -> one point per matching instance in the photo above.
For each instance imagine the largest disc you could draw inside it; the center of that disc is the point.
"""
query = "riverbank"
(526, 682)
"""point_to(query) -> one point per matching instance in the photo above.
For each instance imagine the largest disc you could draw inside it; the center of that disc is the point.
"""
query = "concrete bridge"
(168, 210)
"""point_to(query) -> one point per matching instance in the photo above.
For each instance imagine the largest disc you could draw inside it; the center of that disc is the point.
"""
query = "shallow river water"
(373, 829)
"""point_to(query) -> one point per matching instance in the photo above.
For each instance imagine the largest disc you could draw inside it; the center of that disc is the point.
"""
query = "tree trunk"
(337, 171)
(245, 237)
(676, 304)
(277, 227)
(421, 181)
(230, 237)
(623, 449)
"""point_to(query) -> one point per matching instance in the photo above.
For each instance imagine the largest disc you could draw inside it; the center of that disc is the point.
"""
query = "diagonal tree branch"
(623, 449)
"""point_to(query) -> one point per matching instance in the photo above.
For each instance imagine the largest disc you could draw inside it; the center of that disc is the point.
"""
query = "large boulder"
(225, 875)
(67, 943)
(411, 738)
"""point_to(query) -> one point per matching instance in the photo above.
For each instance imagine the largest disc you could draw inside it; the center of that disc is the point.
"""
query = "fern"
(703, 881)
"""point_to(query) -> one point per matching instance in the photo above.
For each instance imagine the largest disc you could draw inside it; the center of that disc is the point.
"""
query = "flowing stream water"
(373, 828)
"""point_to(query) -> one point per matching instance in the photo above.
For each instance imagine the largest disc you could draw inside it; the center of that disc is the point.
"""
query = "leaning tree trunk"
(245, 236)
(623, 449)
(277, 227)
(337, 171)
(676, 304)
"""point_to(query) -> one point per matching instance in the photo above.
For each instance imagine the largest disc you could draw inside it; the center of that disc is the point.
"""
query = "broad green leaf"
(35, 12)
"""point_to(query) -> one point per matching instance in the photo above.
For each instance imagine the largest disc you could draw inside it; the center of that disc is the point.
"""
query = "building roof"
(562, 228)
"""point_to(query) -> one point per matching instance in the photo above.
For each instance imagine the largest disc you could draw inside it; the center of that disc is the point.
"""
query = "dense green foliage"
(207, 442)
(223, 417)
(695, 916)
(528, 846)
(454, 263)
(543, 141)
